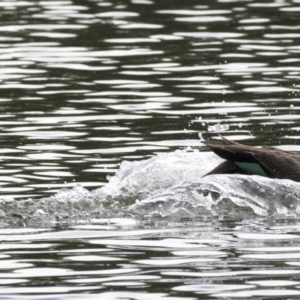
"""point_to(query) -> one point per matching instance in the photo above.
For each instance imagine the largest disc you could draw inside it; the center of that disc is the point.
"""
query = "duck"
(267, 161)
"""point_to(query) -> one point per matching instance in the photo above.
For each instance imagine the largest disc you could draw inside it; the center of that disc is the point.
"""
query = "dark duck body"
(266, 161)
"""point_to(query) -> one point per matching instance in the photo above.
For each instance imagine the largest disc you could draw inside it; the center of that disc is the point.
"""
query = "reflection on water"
(125, 89)
(115, 257)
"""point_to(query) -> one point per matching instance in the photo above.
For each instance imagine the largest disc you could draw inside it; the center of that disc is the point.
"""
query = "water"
(104, 108)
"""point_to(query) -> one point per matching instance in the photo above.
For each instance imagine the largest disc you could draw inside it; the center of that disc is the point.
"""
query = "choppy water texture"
(104, 107)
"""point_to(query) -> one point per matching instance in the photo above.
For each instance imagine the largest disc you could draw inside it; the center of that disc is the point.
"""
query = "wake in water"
(167, 185)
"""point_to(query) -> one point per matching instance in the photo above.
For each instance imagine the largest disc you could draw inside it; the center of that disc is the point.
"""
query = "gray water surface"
(104, 108)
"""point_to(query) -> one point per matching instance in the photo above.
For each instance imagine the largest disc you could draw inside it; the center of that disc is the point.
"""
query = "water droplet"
(223, 91)
(218, 128)
(201, 137)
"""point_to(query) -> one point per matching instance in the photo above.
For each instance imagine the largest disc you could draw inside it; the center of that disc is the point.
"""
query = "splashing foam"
(169, 184)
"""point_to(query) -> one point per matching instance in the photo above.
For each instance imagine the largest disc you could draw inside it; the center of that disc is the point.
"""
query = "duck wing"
(267, 161)
(281, 164)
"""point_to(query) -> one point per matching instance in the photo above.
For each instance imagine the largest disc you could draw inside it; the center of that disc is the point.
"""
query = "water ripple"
(101, 108)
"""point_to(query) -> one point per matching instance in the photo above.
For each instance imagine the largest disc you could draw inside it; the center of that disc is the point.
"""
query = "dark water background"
(104, 105)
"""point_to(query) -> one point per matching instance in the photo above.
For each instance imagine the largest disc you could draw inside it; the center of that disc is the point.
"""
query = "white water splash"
(166, 185)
